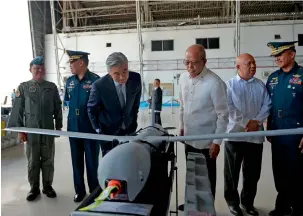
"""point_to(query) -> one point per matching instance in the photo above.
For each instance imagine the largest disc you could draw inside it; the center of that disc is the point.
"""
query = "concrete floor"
(15, 185)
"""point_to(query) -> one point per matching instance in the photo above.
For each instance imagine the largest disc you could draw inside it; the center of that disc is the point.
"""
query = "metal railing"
(178, 65)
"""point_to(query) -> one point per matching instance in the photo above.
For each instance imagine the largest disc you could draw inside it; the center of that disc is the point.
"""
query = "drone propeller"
(70, 134)
(283, 132)
(270, 133)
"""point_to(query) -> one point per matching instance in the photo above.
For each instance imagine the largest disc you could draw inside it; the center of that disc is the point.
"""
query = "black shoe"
(235, 210)
(79, 197)
(181, 207)
(49, 192)
(33, 194)
(278, 212)
(250, 210)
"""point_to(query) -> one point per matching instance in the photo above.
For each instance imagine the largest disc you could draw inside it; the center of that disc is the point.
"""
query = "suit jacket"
(104, 109)
(158, 99)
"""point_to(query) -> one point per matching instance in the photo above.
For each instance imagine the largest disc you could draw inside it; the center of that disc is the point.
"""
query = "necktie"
(121, 96)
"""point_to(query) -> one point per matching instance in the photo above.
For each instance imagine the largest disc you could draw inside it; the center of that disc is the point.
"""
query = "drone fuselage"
(130, 163)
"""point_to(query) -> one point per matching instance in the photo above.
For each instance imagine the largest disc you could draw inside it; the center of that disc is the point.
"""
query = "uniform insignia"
(273, 82)
(296, 79)
(88, 81)
(17, 93)
(32, 89)
(289, 86)
(47, 90)
(86, 86)
(71, 83)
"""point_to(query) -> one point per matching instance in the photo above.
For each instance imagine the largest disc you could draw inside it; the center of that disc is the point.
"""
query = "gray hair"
(115, 59)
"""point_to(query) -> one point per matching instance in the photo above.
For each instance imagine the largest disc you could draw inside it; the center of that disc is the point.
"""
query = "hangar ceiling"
(104, 15)
(81, 16)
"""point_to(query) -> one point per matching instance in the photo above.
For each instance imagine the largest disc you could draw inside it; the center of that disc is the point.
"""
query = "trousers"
(249, 156)
(158, 118)
(91, 150)
(40, 152)
(287, 164)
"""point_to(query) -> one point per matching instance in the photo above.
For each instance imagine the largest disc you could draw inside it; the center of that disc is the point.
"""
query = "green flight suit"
(37, 105)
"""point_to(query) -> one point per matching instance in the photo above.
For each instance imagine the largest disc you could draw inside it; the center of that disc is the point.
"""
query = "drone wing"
(70, 134)
(283, 132)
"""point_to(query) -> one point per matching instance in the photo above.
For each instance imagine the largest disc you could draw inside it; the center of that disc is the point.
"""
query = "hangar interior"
(154, 36)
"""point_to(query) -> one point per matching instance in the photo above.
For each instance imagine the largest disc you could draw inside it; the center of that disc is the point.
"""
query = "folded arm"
(265, 109)
(236, 115)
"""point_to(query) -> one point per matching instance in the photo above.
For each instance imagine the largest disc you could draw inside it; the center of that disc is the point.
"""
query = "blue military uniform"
(286, 91)
(77, 93)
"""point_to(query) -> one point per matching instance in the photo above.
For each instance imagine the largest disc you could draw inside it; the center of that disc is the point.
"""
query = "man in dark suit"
(157, 93)
(114, 100)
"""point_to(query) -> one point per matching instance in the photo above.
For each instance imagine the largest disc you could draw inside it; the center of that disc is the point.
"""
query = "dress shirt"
(203, 106)
(246, 100)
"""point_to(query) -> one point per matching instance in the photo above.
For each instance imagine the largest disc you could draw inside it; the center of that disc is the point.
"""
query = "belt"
(282, 114)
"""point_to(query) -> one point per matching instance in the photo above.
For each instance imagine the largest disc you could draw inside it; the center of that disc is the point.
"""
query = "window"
(277, 36)
(156, 45)
(162, 45)
(209, 43)
(108, 44)
(300, 39)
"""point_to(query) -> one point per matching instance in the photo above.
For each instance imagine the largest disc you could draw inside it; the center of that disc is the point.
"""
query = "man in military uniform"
(285, 87)
(77, 93)
(37, 104)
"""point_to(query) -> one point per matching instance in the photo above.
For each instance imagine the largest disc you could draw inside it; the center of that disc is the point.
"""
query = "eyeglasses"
(186, 62)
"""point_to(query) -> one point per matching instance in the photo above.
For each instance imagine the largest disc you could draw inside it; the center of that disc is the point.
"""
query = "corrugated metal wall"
(40, 23)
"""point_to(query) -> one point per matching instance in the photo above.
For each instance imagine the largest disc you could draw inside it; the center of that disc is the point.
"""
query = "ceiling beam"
(147, 12)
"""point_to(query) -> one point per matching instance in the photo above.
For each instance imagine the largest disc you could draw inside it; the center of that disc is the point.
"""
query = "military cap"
(75, 55)
(279, 47)
(39, 60)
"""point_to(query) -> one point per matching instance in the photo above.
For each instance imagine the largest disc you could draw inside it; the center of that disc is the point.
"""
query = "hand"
(252, 125)
(59, 129)
(22, 137)
(149, 100)
(181, 133)
(301, 145)
(214, 150)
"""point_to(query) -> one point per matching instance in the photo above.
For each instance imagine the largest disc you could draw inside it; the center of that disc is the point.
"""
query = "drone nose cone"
(130, 162)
